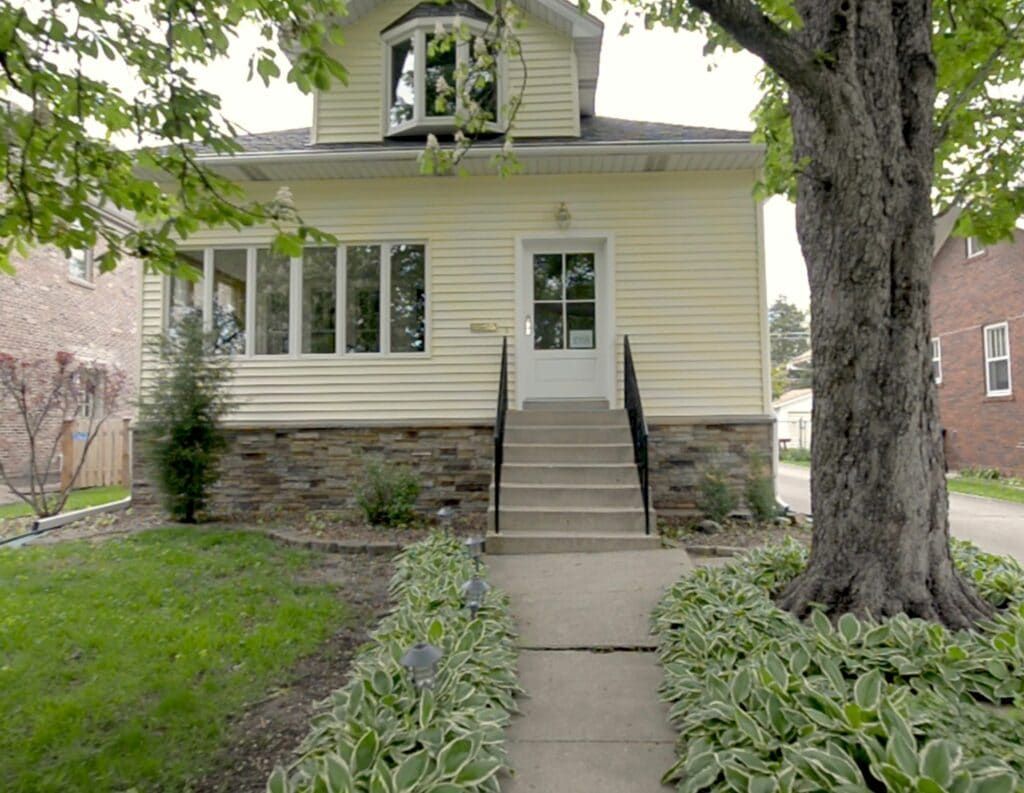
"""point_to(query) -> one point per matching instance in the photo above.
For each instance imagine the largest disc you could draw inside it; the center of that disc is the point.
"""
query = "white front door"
(565, 328)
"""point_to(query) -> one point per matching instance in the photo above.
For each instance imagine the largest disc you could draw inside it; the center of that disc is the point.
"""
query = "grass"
(796, 456)
(989, 488)
(79, 499)
(120, 663)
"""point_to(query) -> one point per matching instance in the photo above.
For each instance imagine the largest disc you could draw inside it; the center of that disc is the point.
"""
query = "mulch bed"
(269, 731)
(742, 534)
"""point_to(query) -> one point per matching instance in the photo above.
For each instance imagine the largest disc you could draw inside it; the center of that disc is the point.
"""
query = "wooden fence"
(108, 461)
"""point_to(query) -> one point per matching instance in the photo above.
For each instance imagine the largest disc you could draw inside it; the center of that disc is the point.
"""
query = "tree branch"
(754, 30)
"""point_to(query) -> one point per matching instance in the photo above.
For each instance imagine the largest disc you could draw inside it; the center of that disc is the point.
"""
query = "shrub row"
(378, 734)
(763, 702)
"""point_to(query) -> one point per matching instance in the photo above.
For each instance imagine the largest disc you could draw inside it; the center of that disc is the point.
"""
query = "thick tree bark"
(862, 124)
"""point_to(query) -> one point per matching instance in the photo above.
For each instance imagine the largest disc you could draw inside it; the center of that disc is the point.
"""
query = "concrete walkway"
(592, 722)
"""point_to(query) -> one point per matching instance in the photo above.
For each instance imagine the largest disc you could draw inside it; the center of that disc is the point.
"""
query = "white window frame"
(89, 279)
(418, 30)
(295, 302)
(937, 360)
(989, 358)
(974, 247)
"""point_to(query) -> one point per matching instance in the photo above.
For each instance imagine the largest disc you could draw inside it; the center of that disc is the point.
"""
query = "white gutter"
(480, 152)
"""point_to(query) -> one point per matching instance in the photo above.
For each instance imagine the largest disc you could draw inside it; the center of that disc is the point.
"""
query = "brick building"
(978, 350)
(56, 303)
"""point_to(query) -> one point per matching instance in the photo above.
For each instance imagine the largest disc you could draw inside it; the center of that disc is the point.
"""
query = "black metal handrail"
(499, 432)
(638, 429)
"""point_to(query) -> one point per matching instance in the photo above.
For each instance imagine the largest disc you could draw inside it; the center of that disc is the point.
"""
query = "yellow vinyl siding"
(353, 113)
(687, 291)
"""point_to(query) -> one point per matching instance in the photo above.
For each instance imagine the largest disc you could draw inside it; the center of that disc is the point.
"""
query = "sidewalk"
(592, 722)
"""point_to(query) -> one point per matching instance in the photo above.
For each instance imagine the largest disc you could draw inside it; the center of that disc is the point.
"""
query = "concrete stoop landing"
(569, 482)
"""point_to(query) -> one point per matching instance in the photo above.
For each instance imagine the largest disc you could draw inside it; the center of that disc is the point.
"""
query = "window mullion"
(295, 275)
(420, 79)
(207, 298)
(250, 302)
(385, 298)
(341, 302)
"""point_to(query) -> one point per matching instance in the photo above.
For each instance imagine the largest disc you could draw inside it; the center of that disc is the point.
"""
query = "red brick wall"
(967, 294)
(42, 312)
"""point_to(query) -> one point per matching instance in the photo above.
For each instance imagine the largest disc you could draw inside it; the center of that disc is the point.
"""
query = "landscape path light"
(446, 517)
(421, 661)
(475, 548)
(473, 593)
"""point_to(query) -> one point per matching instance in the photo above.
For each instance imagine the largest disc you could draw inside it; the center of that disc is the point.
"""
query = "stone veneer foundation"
(278, 470)
(680, 452)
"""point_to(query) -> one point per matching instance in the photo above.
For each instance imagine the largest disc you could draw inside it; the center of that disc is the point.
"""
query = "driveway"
(996, 526)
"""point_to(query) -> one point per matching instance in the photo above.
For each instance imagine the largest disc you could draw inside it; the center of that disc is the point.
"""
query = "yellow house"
(390, 344)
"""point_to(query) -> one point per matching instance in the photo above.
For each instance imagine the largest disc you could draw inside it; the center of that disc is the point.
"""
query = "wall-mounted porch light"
(563, 217)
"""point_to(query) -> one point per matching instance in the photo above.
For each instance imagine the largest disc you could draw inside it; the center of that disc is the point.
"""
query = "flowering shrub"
(41, 395)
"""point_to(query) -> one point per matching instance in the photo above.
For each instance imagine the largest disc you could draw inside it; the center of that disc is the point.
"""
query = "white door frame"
(603, 245)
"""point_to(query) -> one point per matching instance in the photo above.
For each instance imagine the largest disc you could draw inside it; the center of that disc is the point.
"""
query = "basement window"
(420, 65)
(974, 247)
(997, 360)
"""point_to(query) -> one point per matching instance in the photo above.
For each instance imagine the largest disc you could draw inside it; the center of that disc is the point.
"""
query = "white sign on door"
(581, 339)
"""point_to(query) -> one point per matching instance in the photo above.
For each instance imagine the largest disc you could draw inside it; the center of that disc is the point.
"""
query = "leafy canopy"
(979, 112)
(68, 124)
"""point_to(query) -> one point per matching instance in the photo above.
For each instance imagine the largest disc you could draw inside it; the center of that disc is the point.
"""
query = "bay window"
(427, 73)
(358, 299)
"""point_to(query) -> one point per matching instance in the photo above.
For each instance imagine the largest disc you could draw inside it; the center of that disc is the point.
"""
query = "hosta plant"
(764, 702)
(378, 734)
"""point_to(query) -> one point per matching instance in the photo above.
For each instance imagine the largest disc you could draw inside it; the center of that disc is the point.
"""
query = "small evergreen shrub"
(388, 495)
(760, 492)
(180, 417)
(715, 498)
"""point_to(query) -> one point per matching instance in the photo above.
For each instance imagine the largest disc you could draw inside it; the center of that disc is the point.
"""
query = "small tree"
(715, 497)
(41, 396)
(180, 417)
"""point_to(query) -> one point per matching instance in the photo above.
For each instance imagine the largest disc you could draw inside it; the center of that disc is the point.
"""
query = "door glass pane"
(582, 329)
(403, 83)
(547, 276)
(408, 298)
(362, 299)
(319, 288)
(547, 331)
(579, 276)
(229, 290)
(273, 290)
(440, 66)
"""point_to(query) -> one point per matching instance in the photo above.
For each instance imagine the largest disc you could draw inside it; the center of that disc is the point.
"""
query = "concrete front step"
(516, 542)
(569, 474)
(566, 418)
(571, 520)
(557, 496)
(574, 405)
(568, 452)
(580, 434)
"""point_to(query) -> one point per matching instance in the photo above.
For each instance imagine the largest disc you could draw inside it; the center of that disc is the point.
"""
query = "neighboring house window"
(80, 266)
(422, 66)
(997, 360)
(91, 403)
(974, 247)
(367, 298)
(937, 360)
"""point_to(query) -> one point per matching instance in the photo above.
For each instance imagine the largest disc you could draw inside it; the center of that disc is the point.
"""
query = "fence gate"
(108, 461)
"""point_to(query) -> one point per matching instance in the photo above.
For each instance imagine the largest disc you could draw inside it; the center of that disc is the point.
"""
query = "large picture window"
(359, 299)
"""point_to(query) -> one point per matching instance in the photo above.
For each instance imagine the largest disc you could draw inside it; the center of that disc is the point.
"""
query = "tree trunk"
(881, 533)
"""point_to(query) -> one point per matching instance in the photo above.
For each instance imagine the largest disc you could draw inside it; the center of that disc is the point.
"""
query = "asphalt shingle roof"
(593, 129)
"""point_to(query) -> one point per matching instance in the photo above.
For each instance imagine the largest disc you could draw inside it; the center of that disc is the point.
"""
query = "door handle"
(528, 326)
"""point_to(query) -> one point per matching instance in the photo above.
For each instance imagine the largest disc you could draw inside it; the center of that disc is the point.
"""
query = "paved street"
(996, 526)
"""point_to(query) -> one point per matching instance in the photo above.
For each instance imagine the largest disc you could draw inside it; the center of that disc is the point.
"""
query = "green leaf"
(939, 758)
(336, 774)
(777, 670)
(996, 783)
(278, 782)
(411, 771)
(867, 691)
(476, 771)
(435, 632)
(849, 628)
(364, 753)
(454, 755)
(742, 684)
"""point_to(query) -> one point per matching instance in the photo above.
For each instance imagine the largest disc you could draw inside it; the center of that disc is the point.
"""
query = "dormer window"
(423, 64)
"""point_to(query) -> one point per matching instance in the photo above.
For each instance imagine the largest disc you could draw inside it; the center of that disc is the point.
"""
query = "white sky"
(655, 75)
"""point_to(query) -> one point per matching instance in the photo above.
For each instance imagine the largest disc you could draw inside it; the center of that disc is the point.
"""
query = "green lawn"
(79, 499)
(120, 662)
(990, 488)
(796, 456)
